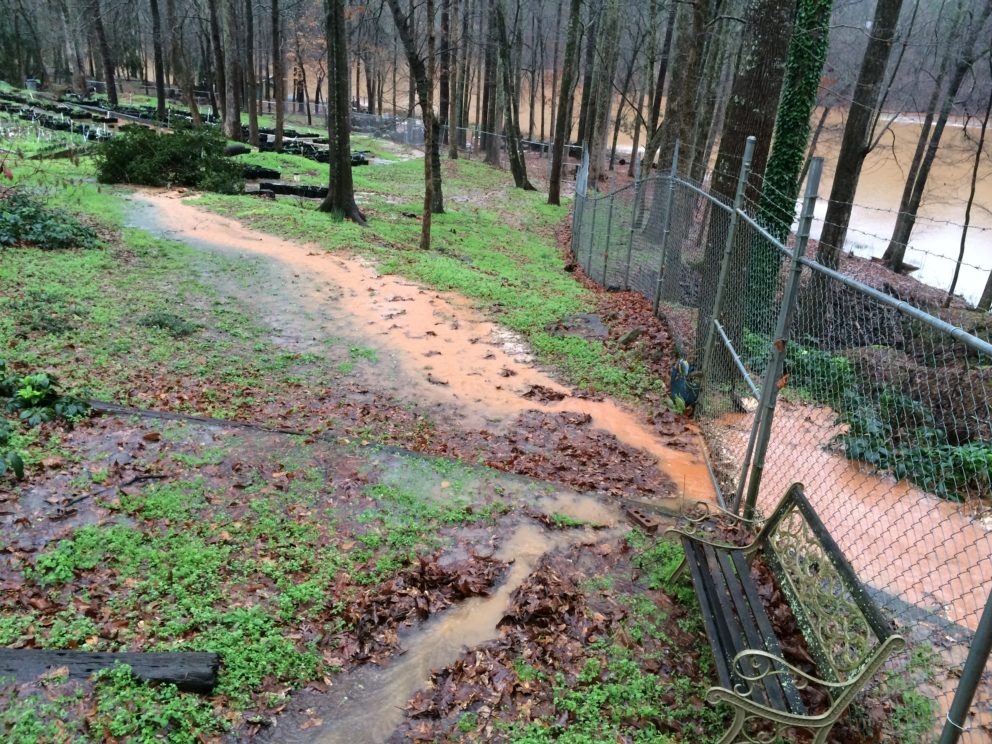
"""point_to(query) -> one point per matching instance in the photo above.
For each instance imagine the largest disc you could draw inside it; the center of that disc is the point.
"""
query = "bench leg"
(735, 727)
(677, 573)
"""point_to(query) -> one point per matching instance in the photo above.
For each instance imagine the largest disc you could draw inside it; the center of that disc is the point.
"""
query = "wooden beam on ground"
(188, 670)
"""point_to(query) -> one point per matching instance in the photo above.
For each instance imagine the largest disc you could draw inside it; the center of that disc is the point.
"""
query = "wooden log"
(188, 670)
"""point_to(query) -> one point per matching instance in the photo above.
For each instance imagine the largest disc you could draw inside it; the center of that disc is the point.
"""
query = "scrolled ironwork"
(831, 613)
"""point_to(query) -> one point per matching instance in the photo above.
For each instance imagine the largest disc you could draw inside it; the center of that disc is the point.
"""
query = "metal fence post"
(606, 248)
(633, 222)
(971, 675)
(727, 252)
(769, 390)
(592, 237)
(666, 227)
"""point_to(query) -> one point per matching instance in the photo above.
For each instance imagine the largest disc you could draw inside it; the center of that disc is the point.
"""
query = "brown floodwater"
(443, 349)
(925, 551)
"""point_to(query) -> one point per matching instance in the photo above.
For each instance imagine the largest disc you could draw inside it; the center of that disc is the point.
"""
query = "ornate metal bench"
(847, 636)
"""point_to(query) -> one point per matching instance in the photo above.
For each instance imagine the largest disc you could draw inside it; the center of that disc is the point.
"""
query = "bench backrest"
(842, 626)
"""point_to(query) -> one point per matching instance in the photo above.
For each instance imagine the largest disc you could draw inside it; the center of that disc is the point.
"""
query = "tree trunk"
(906, 220)
(971, 196)
(278, 76)
(340, 200)
(651, 136)
(232, 108)
(767, 30)
(601, 100)
(250, 81)
(518, 165)
(179, 62)
(636, 148)
(454, 98)
(160, 111)
(554, 68)
(423, 75)
(220, 75)
(858, 131)
(587, 76)
(803, 70)
(73, 50)
(564, 112)
(105, 55)
(444, 78)
(679, 108)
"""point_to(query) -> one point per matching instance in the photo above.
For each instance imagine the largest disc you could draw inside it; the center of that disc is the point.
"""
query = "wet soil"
(472, 377)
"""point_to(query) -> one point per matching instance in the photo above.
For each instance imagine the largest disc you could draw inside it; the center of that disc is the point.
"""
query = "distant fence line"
(879, 407)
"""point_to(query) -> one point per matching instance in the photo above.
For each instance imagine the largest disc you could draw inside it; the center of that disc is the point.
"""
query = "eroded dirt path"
(434, 348)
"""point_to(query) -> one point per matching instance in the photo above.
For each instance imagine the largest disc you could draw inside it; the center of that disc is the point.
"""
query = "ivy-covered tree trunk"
(855, 144)
(567, 94)
(803, 69)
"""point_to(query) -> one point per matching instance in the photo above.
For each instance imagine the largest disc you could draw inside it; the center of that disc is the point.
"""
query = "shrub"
(25, 220)
(34, 399)
(187, 157)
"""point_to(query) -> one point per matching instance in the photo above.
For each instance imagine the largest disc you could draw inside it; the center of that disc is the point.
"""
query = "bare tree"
(965, 52)
(564, 113)
(423, 74)
(856, 142)
(511, 106)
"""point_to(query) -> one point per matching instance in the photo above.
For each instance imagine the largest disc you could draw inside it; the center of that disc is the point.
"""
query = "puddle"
(367, 706)
(437, 348)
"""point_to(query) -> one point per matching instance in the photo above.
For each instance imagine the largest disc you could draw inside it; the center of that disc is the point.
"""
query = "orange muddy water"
(445, 350)
(926, 551)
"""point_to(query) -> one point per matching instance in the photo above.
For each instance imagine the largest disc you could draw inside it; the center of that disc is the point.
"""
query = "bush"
(25, 220)
(34, 399)
(187, 157)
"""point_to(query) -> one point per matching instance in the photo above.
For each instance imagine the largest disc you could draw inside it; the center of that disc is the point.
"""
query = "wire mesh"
(883, 409)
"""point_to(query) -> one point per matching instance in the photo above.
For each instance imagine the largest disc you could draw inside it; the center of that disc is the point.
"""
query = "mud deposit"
(437, 350)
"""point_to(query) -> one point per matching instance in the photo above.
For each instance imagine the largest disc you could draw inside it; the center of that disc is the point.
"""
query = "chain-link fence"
(875, 397)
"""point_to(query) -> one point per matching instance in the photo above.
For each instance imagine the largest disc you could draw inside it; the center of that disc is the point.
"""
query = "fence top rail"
(702, 192)
(958, 334)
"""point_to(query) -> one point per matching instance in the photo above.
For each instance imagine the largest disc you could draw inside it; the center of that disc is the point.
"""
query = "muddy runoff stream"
(434, 347)
(367, 705)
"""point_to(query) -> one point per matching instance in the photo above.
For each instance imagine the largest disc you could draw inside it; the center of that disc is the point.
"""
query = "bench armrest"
(753, 665)
(699, 514)
(697, 536)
